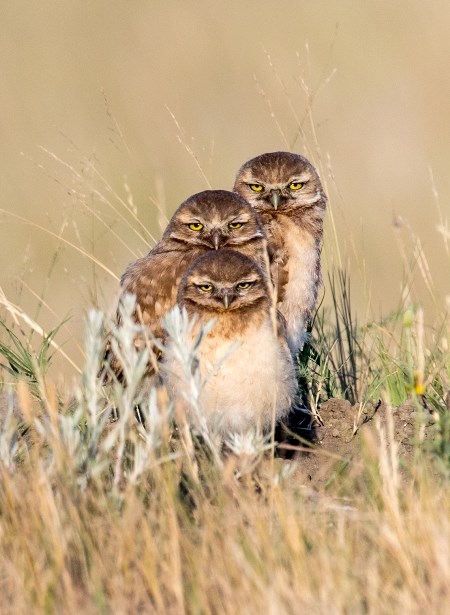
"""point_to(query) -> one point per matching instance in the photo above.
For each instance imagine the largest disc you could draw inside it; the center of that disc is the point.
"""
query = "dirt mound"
(334, 438)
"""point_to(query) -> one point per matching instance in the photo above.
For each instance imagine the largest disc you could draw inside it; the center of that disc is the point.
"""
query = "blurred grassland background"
(112, 113)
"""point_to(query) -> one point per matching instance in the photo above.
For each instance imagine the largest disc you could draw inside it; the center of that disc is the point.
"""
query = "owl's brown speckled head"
(280, 183)
(215, 219)
(223, 281)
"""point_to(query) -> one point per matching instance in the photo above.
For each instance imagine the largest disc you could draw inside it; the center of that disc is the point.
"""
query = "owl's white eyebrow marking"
(237, 240)
(250, 181)
(196, 279)
(239, 218)
(189, 219)
(312, 199)
(300, 178)
(250, 279)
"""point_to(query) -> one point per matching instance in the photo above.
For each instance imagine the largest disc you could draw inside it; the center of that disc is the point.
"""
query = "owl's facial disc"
(216, 233)
(214, 219)
(223, 280)
(224, 295)
(278, 196)
(280, 183)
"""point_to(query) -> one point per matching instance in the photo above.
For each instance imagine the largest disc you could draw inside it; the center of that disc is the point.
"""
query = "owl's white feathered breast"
(254, 379)
(300, 293)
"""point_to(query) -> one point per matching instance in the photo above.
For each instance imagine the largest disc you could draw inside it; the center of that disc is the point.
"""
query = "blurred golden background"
(112, 113)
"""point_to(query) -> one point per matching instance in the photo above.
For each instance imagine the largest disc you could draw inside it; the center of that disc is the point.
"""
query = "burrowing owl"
(286, 191)
(257, 379)
(209, 220)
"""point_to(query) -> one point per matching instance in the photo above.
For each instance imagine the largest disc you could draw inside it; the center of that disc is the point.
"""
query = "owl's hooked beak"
(216, 239)
(226, 299)
(275, 198)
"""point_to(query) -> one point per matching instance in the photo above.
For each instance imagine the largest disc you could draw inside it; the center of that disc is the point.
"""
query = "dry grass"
(265, 544)
(101, 517)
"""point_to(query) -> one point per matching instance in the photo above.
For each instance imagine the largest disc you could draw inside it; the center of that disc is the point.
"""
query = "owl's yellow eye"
(234, 225)
(196, 226)
(243, 285)
(256, 187)
(206, 288)
(295, 185)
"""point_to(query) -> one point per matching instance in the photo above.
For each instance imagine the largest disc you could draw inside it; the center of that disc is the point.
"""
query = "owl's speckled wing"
(154, 280)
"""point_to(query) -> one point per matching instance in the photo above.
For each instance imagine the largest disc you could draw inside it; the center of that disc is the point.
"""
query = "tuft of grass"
(23, 362)
(336, 352)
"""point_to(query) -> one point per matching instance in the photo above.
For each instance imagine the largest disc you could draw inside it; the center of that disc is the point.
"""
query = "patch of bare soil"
(335, 438)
